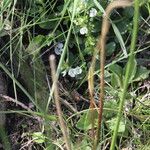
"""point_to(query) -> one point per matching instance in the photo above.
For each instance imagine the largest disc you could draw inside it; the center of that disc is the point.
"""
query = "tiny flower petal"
(78, 70)
(60, 45)
(71, 73)
(83, 30)
(58, 48)
(57, 51)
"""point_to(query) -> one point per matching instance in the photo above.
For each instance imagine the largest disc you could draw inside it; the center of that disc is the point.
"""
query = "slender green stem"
(63, 54)
(128, 71)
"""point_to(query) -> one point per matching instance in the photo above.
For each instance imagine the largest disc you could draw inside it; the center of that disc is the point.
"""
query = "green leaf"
(85, 122)
(120, 39)
(110, 105)
(115, 81)
(124, 26)
(112, 123)
(36, 44)
(116, 69)
(38, 137)
(116, 77)
(110, 48)
(132, 70)
(128, 12)
(141, 73)
(97, 4)
(48, 22)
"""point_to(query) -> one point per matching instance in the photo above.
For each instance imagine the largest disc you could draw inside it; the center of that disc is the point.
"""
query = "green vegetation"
(31, 31)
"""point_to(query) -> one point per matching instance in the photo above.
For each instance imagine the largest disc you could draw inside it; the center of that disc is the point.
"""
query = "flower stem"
(128, 71)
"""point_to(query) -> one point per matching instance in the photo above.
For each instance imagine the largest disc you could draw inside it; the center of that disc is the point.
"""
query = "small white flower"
(71, 73)
(78, 70)
(74, 71)
(58, 48)
(93, 12)
(83, 30)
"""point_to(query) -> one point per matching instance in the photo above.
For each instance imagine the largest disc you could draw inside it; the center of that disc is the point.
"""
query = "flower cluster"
(84, 29)
(73, 72)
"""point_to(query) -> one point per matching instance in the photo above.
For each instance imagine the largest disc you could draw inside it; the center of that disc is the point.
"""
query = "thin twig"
(101, 46)
(9, 99)
(57, 102)
(68, 105)
(91, 93)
